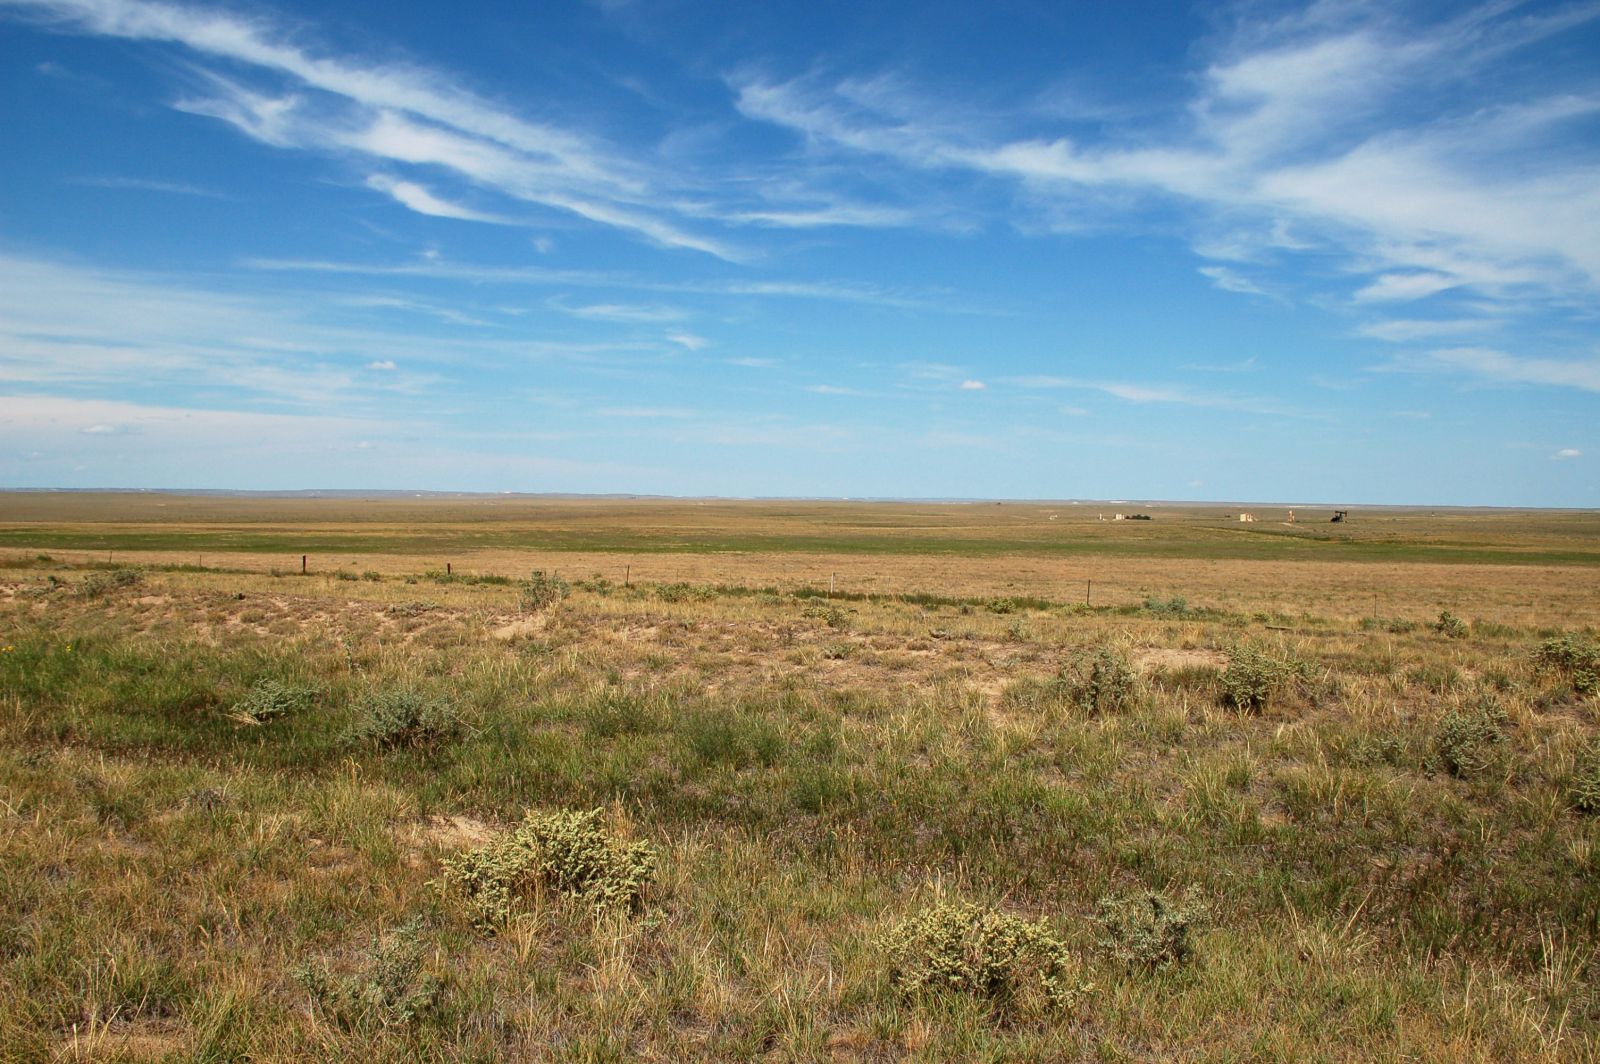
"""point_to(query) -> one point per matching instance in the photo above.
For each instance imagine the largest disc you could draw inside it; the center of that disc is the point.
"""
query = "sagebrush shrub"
(404, 717)
(1572, 658)
(982, 952)
(566, 853)
(1252, 678)
(540, 591)
(1176, 606)
(268, 700)
(1101, 682)
(1585, 787)
(97, 584)
(388, 988)
(1151, 929)
(1469, 739)
(1450, 626)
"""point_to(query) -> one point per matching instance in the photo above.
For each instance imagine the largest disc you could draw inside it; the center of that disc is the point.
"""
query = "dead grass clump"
(1013, 964)
(567, 853)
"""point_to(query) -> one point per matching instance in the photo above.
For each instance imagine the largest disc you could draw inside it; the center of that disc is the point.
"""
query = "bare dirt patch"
(1174, 658)
(520, 628)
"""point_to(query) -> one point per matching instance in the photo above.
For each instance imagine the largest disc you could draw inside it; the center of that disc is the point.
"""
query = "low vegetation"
(277, 818)
(563, 854)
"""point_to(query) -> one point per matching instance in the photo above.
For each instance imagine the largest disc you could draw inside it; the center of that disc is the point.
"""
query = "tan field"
(1276, 792)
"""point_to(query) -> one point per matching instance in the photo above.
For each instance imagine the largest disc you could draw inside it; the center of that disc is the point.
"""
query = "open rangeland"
(1027, 785)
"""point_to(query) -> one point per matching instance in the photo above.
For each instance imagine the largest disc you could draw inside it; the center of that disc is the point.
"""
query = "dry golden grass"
(811, 772)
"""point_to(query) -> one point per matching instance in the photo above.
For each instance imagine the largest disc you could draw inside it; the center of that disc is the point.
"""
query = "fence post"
(302, 565)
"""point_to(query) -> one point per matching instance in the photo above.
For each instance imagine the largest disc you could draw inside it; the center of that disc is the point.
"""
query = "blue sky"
(1346, 252)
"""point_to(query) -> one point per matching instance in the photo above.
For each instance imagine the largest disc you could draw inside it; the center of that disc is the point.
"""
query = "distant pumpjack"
(1338, 517)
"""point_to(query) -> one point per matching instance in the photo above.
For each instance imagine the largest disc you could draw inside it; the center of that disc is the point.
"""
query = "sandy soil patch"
(1173, 658)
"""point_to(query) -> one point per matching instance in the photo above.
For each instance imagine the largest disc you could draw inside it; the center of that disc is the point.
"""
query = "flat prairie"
(1267, 790)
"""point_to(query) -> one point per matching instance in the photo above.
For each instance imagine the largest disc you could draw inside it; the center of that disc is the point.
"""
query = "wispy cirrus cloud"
(1494, 366)
(1340, 128)
(397, 114)
(1139, 392)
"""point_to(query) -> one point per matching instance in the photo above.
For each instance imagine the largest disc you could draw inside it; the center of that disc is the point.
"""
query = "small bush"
(1176, 606)
(981, 952)
(566, 853)
(1151, 930)
(1101, 682)
(1450, 626)
(1585, 789)
(1469, 740)
(372, 576)
(540, 591)
(96, 585)
(388, 989)
(1575, 660)
(404, 717)
(1002, 605)
(268, 700)
(1252, 678)
(832, 616)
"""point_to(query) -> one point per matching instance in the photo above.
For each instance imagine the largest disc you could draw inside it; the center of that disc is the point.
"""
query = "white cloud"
(1568, 452)
(397, 113)
(973, 386)
(831, 389)
(632, 313)
(177, 188)
(1404, 287)
(1499, 367)
(1154, 393)
(385, 364)
(1403, 331)
(1400, 146)
(689, 341)
(1230, 280)
(422, 201)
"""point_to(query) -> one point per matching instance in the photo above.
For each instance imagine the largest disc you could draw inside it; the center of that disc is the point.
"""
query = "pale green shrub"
(268, 700)
(973, 950)
(404, 717)
(1101, 682)
(565, 853)
(1470, 739)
